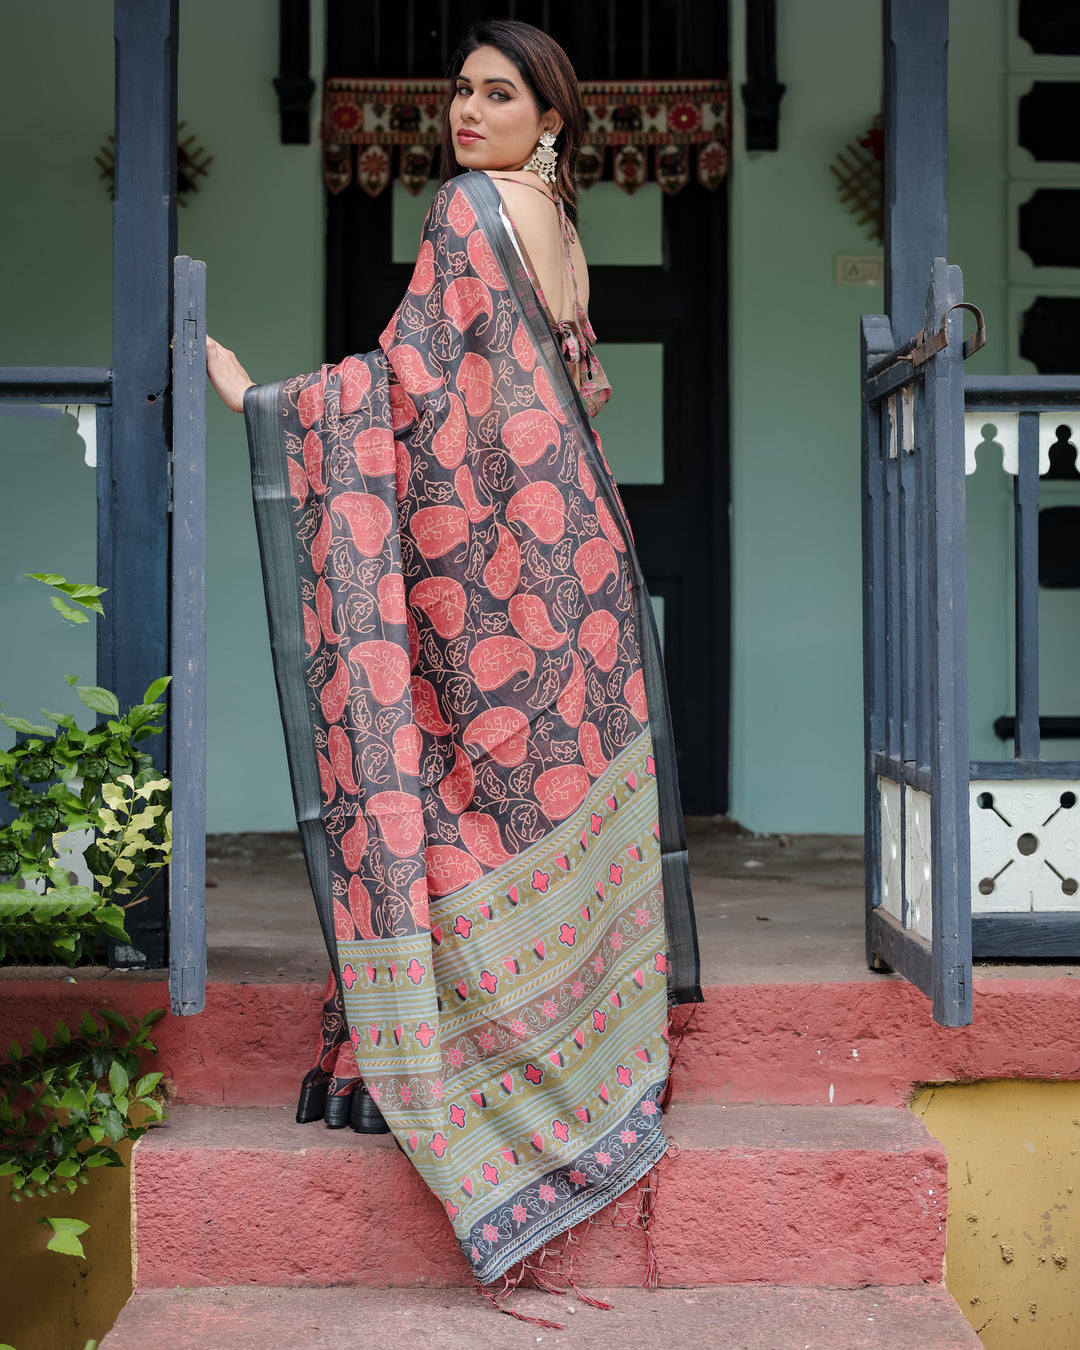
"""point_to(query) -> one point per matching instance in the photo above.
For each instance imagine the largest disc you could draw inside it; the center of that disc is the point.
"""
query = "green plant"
(64, 1106)
(64, 779)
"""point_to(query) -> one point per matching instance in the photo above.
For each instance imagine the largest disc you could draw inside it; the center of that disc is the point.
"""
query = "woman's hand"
(227, 375)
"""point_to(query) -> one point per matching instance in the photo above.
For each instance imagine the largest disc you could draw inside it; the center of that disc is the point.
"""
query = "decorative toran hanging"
(635, 131)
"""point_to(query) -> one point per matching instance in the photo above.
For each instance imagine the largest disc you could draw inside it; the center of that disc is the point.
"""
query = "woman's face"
(494, 120)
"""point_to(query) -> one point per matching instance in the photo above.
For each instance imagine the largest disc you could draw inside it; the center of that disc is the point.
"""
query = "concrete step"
(738, 1317)
(841, 1043)
(775, 1194)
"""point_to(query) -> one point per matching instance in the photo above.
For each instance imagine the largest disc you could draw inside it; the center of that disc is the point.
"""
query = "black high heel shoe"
(364, 1116)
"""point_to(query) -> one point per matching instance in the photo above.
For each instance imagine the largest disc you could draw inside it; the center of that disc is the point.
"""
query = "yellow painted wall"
(1013, 1254)
(53, 1302)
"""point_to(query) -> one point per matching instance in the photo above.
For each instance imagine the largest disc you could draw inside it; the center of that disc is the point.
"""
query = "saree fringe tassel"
(676, 1035)
(551, 1268)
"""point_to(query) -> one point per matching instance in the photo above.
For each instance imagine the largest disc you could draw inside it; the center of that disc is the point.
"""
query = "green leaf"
(115, 1019)
(78, 591)
(147, 1083)
(66, 612)
(99, 700)
(74, 1099)
(110, 919)
(89, 1026)
(118, 1079)
(85, 595)
(27, 728)
(65, 1238)
(71, 680)
(157, 689)
(61, 719)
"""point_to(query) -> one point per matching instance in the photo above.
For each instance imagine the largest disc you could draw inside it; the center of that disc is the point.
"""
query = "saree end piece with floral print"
(480, 755)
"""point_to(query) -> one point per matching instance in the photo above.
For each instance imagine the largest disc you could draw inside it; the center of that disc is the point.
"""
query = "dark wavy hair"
(549, 77)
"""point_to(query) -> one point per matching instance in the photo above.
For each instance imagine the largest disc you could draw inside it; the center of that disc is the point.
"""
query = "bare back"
(536, 218)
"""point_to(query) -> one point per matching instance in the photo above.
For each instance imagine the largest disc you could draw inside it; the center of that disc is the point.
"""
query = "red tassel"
(521, 1317)
(643, 1204)
(673, 1054)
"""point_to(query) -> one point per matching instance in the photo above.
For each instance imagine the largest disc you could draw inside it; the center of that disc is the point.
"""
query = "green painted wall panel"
(797, 663)
(257, 221)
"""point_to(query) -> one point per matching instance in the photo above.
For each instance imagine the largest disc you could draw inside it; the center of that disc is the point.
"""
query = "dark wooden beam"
(133, 477)
(294, 84)
(761, 92)
(56, 384)
(916, 36)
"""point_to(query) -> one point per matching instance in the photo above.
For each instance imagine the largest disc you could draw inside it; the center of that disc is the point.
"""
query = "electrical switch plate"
(860, 269)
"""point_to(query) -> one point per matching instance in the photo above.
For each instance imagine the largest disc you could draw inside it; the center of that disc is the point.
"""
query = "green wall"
(796, 662)
(257, 220)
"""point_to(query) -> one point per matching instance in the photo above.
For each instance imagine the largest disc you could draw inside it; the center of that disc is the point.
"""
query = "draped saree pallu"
(466, 664)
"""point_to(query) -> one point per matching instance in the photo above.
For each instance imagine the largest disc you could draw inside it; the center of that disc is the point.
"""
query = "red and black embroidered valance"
(636, 132)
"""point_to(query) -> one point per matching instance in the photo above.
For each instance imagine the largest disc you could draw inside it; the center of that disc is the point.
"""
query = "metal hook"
(978, 338)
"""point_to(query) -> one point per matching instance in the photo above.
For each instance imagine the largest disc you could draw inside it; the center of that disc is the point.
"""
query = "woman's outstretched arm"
(227, 375)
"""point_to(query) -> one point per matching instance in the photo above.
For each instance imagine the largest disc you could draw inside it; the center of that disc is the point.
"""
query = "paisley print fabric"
(467, 666)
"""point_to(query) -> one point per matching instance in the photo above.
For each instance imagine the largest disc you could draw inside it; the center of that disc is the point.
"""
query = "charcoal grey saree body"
(479, 745)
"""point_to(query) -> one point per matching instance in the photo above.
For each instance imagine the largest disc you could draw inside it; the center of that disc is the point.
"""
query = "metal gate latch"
(925, 347)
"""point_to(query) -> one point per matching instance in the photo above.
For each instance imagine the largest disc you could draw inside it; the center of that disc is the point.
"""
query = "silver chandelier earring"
(544, 158)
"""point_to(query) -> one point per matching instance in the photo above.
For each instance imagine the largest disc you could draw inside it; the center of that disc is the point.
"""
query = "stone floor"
(770, 909)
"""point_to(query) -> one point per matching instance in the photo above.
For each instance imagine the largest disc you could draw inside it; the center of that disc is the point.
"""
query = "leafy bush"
(63, 778)
(64, 1106)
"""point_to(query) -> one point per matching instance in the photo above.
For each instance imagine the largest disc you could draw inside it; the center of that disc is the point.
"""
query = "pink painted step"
(865, 1043)
(738, 1317)
(779, 1195)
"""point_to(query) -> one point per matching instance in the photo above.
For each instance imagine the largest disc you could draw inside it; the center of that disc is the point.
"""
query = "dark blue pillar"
(916, 36)
(133, 557)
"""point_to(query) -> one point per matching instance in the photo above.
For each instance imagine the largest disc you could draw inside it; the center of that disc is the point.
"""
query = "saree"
(476, 723)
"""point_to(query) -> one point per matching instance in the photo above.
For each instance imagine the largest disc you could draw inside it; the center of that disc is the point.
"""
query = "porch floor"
(771, 909)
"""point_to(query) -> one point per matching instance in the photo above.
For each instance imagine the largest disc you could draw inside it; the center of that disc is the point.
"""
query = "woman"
(467, 665)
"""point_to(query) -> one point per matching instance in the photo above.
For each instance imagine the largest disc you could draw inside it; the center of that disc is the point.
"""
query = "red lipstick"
(466, 137)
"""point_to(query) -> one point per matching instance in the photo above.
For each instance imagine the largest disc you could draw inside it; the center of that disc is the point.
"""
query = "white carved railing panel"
(892, 894)
(917, 875)
(1025, 845)
(985, 430)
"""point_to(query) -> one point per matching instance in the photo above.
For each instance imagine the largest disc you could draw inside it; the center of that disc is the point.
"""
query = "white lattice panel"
(987, 434)
(1025, 846)
(892, 899)
(917, 881)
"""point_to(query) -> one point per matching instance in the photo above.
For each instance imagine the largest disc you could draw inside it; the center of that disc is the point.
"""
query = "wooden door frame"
(358, 226)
